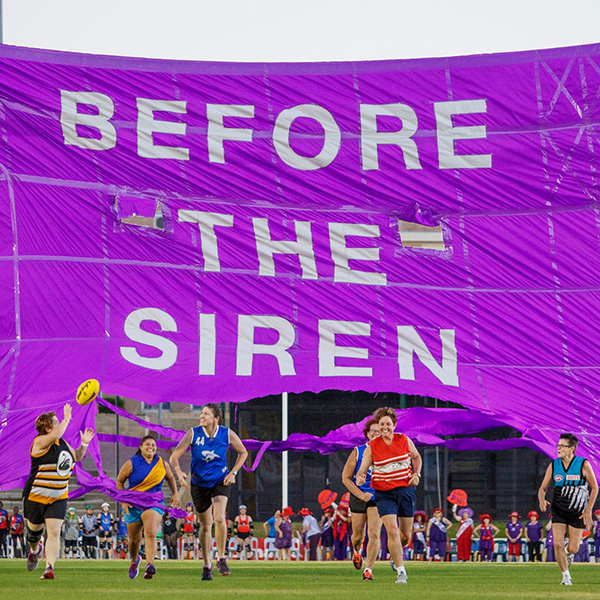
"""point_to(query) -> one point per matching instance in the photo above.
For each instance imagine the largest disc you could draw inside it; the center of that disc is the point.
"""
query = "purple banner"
(197, 231)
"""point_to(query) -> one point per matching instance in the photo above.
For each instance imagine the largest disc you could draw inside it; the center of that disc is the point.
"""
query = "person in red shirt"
(17, 532)
(244, 530)
(3, 532)
(188, 528)
(396, 471)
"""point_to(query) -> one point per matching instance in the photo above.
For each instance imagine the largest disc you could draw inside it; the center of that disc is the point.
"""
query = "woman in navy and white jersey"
(575, 491)
(362, 505)
(210, 479)
(47, 488)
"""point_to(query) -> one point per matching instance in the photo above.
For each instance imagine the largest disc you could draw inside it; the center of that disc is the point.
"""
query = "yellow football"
(87, 391)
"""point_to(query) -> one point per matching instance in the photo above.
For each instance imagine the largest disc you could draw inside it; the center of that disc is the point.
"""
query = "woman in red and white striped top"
(396, 471)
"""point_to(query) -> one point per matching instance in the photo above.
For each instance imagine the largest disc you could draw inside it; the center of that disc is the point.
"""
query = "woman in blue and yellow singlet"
(146, 472)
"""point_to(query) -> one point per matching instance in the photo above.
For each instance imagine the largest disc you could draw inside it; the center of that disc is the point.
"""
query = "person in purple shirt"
(583, 554)
(486, 531)
(437, 534)
(550, 557)
(596, 530)
(534, 534)
(514, 533)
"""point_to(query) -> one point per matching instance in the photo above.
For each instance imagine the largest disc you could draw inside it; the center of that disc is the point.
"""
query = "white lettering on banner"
(217, 132)
(370, 137)
(247, 348)
(341, 254)
(208, 345)
(281, 137)
(148, 125)
(70, 118)
(328, 351)
(302, 247)
(135, 333)
(410, 342)
(447, 134)
(207, 222)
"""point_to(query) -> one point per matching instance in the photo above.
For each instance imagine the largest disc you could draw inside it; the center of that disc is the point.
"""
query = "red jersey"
(243, 524)
(188, 523)
(392, 465)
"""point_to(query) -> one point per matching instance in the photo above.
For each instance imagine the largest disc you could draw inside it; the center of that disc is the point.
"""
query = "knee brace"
(102, 545)
(239, 548)
(33, 537)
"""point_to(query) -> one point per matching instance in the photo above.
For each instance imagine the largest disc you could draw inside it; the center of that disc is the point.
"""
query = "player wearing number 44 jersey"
(575, 491)
(210, 479)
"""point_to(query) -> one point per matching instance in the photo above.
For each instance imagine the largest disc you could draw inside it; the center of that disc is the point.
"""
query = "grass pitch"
(107, 580)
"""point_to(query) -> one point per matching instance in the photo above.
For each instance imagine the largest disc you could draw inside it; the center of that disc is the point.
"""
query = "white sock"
(566, 574)
(401, 570)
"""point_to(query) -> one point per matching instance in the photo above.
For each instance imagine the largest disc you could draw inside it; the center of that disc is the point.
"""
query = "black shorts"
(36, 512)
(244, 535)
(359, 506)
(567, 518)
(89, 540)
(202, 497)
(70, 543)
(104, 534)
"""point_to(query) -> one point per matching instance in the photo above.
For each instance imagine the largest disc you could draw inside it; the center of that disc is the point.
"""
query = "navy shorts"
(400, 501)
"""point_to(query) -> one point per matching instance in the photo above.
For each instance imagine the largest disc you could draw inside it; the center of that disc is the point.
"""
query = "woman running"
(396, 471)
(146, 472)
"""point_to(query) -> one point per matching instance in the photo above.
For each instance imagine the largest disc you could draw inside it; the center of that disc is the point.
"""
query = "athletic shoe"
(392, 565)
(402, 578)
(48, 573)
(357, 560)
(566, 581)
(207, 573)
(33, 558)
(368, 575)
(222, 566)
(149, 571)
(134, 567)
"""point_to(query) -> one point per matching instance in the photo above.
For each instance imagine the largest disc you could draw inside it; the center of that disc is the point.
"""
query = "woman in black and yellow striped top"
(46, 491)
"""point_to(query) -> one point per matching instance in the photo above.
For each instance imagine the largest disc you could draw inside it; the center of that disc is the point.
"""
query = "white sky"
(299, 30)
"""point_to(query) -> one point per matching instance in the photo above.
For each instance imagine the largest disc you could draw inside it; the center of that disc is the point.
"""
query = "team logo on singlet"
(209, 455)
(64, 464)
(558, 478)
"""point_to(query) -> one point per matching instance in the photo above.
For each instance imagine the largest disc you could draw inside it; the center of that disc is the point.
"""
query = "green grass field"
(107, 580)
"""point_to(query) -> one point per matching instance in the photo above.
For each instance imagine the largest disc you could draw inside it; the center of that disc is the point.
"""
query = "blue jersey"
(106, 520)
(147, 477)
(571, 490)
(209, 456)
(366, 486)
(122, 527)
